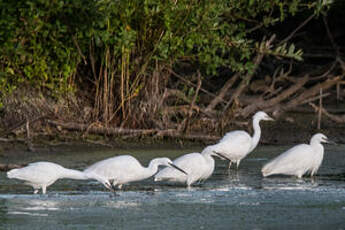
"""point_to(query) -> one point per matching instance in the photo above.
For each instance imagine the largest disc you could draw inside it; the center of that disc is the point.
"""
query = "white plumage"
(42, 174)
(198, 166)
(124, 169)
(298, 160)
(236, 145)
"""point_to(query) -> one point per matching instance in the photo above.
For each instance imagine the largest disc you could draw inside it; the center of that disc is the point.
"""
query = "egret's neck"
(152, 169)
(210, 161)
(73, 174)
(257, 134)
(208, 153)
(317, 146)
(209, 150)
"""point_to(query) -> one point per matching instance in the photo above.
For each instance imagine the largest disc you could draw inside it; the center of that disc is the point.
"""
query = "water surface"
(228, 200)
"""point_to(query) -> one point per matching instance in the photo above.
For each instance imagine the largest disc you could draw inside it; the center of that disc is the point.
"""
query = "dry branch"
(26, 122)
(222, 93)
(176, 93)
(5, 139)
(136, 132)
(246, 79)
(260, 103)
(316, 98)
(99, 129)
(305, 22)
(176, 134)
(338, 119)
(311, 92)
(191, 83)
(185, 123)
(182, 109)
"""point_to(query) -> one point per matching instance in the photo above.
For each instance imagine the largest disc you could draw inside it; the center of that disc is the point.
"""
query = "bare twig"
(328, 71)
(192, 105)
(297, 29)
(330, 36)
(176, 93)
(79, 50)
(21, 124)
(100, 129)
(243, 83)
(338, 119)
(259, 25)
(184, 125)
(246, 79)
(271, 103)
(334, 44)
(5, 139)
(222, 92)
(190, 83)
(315, 98)
(176, 134)
(301, 99)
(320, 111)
(136, 132)
(28, 137)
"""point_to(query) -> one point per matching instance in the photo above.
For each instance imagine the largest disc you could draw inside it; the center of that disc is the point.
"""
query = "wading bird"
(124, 169)
(198, 166)
(298, 160)
(236, 145)
(42, 174)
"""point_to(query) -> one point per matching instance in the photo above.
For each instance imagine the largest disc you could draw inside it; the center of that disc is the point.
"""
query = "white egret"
(198, 166)
(124, 169)
(42, 174)
(236, 145)
(299, 159)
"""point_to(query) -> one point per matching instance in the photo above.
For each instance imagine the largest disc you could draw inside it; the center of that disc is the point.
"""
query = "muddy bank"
(289, 129)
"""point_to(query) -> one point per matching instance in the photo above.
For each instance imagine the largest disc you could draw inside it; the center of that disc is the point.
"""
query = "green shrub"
(45, 44)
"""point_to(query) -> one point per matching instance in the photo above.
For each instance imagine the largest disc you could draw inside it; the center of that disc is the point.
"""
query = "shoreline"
(288, 130)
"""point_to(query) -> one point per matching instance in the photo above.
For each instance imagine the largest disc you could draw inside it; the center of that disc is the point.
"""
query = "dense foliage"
(117, 47)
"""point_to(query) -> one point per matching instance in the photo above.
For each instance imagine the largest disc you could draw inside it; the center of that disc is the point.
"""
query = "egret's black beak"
(222, 156)
(179, 169)
(268, 118)
(328, 141)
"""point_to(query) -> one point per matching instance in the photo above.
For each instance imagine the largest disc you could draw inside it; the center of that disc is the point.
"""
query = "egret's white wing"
(115, 167)
(190, 163)
(235, 145)
(233, 135)
(37, 173)
(296, 159)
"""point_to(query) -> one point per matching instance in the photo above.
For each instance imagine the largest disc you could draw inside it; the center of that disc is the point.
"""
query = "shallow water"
(228, 200)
